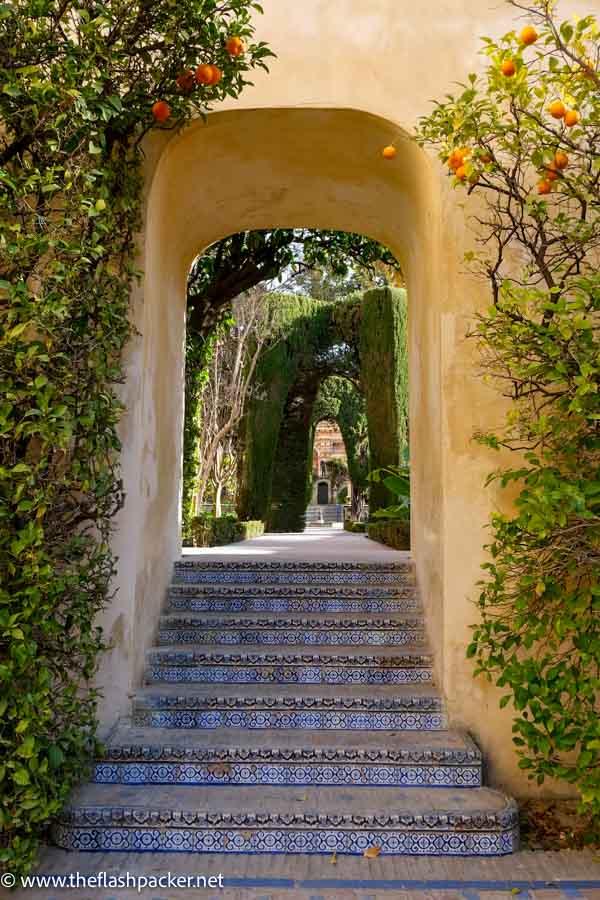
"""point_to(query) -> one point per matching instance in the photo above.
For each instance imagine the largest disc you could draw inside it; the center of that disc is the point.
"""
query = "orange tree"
(525, 137)
(80, 85)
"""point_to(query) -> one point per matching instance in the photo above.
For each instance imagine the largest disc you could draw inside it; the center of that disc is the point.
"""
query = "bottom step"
(435, 822)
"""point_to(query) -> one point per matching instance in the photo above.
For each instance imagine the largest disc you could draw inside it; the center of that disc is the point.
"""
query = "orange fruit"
(561, 160)
(557, 109)
(208, 74)
(485, 158)
(204, 74)
(454, 160)
(161, 111)
(551, 174)
(571, 118)
(216, 74)
(508, 68)
(389, 152)
(544, 187)
(185, 80)
(529, 35)
(461, 173)
(234, 46)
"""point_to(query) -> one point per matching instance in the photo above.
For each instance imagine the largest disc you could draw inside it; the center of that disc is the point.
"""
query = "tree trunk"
(218, 492)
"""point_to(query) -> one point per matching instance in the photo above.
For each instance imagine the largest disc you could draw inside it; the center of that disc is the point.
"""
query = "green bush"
(208, 531)
(393, 532)
(355, 527)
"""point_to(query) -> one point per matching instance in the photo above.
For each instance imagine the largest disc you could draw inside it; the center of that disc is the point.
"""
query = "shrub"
(208, 531)
(355, 527)
(393, 532)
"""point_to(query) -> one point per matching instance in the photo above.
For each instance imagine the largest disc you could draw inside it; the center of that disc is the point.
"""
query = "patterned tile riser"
(196, 840)
(280, 675)
(191, 603)
(327, 721)
(297, 775)
(279, 636)
(312, 579)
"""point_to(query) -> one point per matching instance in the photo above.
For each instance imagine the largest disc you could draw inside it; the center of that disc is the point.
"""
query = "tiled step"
(293, 706)
(194, 571)
(236, 756)
(278, 665)
(233, 819)
(292, 599)
(337, 629)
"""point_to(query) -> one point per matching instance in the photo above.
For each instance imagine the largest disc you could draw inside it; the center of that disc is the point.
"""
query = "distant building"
(328, 445)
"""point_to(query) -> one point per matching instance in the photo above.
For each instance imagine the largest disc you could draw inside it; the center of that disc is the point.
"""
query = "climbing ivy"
(80, 83)
(525, 136)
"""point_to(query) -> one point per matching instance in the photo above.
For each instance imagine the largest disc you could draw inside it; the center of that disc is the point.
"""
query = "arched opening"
(243, 170)
(323, 493)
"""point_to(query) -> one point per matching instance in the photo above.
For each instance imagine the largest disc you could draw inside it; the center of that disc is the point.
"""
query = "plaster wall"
(302, 148)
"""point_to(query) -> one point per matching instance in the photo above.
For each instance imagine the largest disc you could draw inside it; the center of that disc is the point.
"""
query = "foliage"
(392, 532)
(383, 350)
(539, 634)
(78, 84)
(397, 481)
(293, 364)
(355, 527)
(249, 258)
(216, 531)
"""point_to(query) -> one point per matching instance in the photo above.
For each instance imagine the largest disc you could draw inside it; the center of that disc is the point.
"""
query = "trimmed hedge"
(207, 531)
(355, 527)
(393, 532)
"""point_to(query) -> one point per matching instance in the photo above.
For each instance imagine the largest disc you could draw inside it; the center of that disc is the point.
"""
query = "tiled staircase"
(290, 708)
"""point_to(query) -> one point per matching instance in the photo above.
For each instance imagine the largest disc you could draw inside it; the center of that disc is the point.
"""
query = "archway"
(318, 168)
(276, 167)
(323, 493)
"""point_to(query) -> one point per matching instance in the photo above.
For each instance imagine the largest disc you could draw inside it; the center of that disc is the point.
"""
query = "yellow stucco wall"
(302, 148)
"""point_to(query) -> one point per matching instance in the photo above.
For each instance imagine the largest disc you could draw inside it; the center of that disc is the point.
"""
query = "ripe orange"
(161, 111)
(216, 74)
(561, 160)
(557, 109)
(454, 160)
(571, 118)
(551, 174)
(461, 172)
(185, 80)
(508, 68)
(544, 187)
(204, 74)
(389, 152)
(234, 46)
(529, 35)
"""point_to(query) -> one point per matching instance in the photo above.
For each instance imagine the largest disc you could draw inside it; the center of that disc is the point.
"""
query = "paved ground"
(539, 876)
(318, 544)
